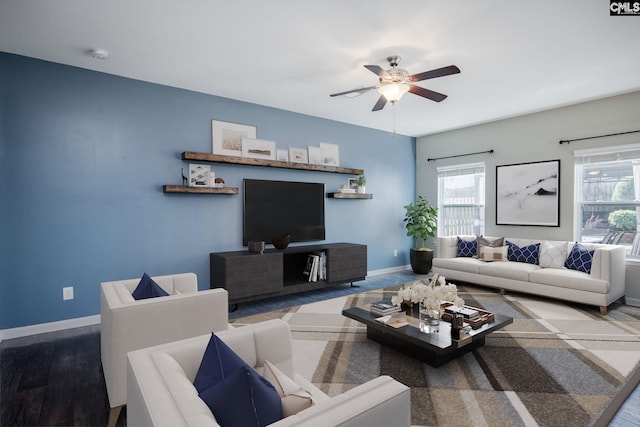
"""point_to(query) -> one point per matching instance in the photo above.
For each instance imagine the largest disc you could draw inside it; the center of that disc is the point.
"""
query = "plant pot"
(421, 261)
(360, 189)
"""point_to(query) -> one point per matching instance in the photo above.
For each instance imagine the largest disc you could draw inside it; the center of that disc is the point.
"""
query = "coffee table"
(435, 348)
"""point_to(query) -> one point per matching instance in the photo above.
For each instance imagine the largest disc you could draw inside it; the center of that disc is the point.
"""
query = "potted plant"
(421, 221)
(360, 183)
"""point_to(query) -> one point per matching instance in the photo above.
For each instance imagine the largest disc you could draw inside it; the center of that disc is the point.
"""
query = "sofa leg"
(502, 291)
(603, 310)
(114, 414)
(623, 300)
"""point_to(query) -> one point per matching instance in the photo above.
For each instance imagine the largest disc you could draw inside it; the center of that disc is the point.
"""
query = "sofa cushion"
(527, 254)
(553, 254)
(243, 398)
(569, 279)
(487, 253)
(580, 258)
(466, 264)
(294, 397)
(147, 288)
(467, 248)
(508, 270)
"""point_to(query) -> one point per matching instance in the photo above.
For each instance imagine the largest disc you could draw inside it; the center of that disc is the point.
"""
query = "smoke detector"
(99, 53)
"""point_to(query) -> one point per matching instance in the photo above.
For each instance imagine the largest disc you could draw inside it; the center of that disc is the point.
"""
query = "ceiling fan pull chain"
(394, 119)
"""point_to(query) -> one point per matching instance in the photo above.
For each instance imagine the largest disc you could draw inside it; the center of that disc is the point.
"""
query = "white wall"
(532, 138)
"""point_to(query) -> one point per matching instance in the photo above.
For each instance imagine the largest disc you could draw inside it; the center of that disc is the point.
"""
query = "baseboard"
(43, 328)
(388, 270)
(633, 301)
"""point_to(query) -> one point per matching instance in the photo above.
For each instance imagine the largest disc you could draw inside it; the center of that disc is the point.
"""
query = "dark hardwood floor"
(54, 382)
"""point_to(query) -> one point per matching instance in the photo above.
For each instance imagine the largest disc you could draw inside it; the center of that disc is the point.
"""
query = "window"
(461, 199)
(607, 197)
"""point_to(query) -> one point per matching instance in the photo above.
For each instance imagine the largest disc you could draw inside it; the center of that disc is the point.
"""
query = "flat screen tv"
(273, 208)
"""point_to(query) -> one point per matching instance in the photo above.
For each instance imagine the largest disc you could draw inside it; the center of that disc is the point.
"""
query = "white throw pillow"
(294, 398)
(488, 253)
(553, 255)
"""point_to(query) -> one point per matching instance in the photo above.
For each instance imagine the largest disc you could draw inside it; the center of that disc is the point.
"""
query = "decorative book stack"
(383, 308)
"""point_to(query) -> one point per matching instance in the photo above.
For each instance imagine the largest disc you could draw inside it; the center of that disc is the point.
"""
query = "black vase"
(281, 241)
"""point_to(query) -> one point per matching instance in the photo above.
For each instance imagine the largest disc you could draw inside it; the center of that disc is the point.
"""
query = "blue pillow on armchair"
(236, 394)
(528, 254)
(243, 398)
(147, 288)
(467, 248)
(580, 258)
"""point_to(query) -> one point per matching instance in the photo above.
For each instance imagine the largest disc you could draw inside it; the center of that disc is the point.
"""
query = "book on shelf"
(467, 313)
(383, 307)
(308, 268)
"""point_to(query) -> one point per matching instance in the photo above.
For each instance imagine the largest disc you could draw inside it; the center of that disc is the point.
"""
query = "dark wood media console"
(250, 276)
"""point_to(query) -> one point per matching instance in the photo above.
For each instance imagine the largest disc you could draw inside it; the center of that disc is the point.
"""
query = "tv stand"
(249, 276)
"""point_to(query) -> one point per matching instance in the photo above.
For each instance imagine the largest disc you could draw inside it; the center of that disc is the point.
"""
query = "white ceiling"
(515, 57)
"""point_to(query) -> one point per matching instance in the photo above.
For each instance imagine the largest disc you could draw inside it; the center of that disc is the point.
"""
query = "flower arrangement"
(431, 294)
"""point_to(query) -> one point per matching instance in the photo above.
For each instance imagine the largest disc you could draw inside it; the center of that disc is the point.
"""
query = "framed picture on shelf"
(227, 137)
(315, 155)
(199, 175)
(282, 155)
(353, 183)
(298, 155)
(258, 149)
(528, 194)
(330, 154)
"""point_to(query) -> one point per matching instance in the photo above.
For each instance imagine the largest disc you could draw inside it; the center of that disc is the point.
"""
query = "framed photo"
(227, 137)
(258, 148)
(315, 155)
(199, 175)
(298, 155)
(353, 183)
(528, 194)
(330, 154)
(282, 155)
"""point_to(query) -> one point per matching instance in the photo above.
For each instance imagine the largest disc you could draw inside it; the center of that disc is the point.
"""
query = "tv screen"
(273, 208)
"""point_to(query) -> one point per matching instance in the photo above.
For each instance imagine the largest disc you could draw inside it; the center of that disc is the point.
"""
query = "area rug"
(558, 364)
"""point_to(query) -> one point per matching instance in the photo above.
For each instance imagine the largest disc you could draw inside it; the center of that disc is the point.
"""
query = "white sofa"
(161, 392)
(127, 324)
(605, 283)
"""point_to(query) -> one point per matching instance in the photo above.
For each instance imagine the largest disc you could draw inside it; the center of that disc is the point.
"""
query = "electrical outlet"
(395, 252)
(67, 293)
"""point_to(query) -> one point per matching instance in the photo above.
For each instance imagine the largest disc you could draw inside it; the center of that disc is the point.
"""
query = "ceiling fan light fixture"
(393, 91)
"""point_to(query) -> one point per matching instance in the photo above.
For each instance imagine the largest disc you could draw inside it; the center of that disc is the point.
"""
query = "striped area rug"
(558, 364)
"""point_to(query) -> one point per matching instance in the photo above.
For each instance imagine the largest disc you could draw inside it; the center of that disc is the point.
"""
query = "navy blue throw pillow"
(467, 248)
(528, 254)
(218, 362)
(580, 258)
(243, 398)
(147, 288)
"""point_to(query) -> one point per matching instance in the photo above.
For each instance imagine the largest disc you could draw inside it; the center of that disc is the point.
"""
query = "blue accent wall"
(84, 156)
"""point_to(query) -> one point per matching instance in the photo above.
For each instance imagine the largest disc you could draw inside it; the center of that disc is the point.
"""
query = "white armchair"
(161, 392)
(127, 324)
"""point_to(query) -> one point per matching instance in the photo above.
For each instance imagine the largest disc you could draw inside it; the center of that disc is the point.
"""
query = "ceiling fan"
(395, 82)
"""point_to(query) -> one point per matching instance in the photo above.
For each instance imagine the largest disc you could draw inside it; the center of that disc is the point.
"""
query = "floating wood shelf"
(216, 158)
(349, 196)
(198, 190)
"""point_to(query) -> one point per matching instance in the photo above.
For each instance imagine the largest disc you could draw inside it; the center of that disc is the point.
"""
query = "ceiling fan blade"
(377, 70)
(382, 101)
(438, 72)
(360, 90)
(426, 93)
